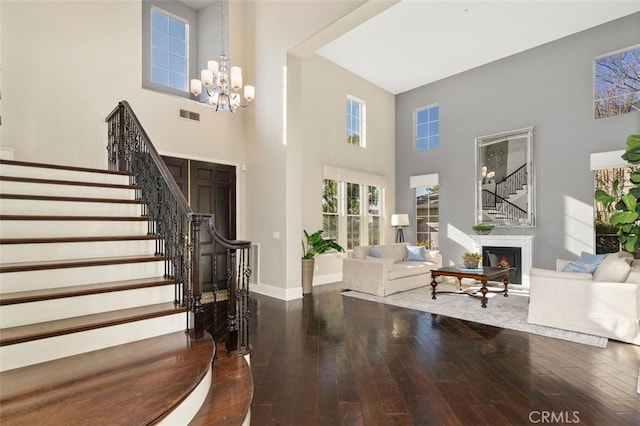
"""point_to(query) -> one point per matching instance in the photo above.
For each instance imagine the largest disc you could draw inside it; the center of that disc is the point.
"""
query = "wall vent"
(189, 115)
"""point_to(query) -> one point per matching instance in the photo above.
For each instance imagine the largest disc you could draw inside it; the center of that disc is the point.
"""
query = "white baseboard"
(327, 279)
(293, 293)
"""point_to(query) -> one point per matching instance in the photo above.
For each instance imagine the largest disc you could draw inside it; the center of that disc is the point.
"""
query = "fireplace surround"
(525, 242)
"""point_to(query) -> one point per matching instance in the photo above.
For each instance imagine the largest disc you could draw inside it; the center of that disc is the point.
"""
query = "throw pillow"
(375, 252)
(416, 253)
(614, 268)
(586, 263)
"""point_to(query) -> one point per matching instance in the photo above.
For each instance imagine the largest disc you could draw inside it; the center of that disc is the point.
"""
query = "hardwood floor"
(335, 360)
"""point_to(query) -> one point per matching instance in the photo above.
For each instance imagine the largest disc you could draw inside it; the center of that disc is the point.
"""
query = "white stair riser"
(68, 175)
(33, 352)
(68, 208)
(12, 253)
(55, 309)
(9, 187)
(52, 278)
(69, 228)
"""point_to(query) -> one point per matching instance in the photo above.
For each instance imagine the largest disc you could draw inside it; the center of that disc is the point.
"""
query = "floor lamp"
(399, 221)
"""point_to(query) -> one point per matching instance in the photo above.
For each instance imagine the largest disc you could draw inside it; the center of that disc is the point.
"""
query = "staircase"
(85, 306)
(503, 205)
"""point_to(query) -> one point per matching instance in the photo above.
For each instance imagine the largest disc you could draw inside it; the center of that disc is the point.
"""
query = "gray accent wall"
(549, 87)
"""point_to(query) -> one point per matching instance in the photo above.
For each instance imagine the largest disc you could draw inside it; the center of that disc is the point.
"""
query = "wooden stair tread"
(25, 333)
(231, 392)
(83, 239)
(62, 167)
(77, 263)
(71, 218)
(65, 182)
(134, 383)
(68, 198)
(81, 290)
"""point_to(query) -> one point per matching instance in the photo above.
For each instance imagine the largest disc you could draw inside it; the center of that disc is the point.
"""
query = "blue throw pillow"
(580, 267)
(375, 252)
(415, 253)
(591, 259)
(586, 263)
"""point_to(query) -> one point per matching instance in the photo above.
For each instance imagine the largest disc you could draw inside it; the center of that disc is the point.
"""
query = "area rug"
(504, 312)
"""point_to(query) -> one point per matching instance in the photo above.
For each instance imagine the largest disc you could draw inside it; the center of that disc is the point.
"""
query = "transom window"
(344, 217)
(427, 128)
(169, 50)
(355, 121)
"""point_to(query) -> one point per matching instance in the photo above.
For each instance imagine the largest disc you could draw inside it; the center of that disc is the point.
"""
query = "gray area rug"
(504, 312)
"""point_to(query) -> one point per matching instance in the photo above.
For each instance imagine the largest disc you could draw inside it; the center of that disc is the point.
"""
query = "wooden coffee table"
(483, 275)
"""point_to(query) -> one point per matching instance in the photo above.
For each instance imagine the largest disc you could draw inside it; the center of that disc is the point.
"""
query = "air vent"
(189, 115)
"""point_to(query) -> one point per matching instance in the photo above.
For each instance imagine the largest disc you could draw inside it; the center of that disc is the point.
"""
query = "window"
(355, 121)
(343, 217)
(616, 84)
(375, 211)
(427, 128)
(169, 50)
(427, 215)
(170, 46)
(330, 209)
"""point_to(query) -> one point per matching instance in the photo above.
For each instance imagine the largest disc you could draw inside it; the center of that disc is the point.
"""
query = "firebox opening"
(504, 257)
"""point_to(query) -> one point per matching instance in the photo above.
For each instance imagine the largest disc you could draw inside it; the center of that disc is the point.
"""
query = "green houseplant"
(625, 206)
(313, 245)
(483, 228)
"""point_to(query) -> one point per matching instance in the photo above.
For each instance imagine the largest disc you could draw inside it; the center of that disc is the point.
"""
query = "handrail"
(169, 216)
(237, 275)
(511, 211)
(177, 230)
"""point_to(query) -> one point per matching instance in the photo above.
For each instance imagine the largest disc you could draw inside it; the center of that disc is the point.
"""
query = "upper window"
(617, 83)
(355, 121)
(427, 128)
(169, 46)
(169, 50)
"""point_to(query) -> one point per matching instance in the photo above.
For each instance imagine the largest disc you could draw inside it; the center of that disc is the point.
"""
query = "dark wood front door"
(212, 189)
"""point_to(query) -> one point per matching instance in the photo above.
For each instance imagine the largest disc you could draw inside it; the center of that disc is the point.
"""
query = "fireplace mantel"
(525, 242)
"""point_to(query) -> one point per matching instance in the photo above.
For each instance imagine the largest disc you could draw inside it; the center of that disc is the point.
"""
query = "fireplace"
(504, 257)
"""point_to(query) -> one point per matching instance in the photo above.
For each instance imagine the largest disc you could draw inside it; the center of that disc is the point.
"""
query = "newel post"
(197, 312)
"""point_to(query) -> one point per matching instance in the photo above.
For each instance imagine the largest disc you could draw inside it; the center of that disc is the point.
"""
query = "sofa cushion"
(548, 273)
(409, 269)
(392, 251)
(417, 253)
(360, 252)
(614, 268)
(387, 262)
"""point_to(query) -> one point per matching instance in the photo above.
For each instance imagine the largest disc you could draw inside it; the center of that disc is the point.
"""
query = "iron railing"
(176, 227)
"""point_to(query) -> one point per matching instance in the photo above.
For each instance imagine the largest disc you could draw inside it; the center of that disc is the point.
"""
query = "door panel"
(213, 190)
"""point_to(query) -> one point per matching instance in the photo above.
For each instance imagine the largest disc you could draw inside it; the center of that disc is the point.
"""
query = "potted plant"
(471, 260)
(483, 228)
(625, 206)
(313, 245)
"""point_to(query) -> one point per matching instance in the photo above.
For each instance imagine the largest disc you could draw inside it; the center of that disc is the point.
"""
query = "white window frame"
(362, 121)
(179, 11)
(430, 132)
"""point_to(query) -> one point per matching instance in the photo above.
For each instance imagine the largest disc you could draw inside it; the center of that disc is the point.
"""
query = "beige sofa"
(603, 304)
(391, 272)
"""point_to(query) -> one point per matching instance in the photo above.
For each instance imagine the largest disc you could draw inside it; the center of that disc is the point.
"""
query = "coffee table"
(483, 275)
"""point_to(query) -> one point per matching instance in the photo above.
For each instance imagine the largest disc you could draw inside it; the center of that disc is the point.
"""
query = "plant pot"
(470, 262)
(307, 275)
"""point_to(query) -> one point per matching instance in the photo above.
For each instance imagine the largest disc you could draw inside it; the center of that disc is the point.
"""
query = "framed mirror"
(505, 180)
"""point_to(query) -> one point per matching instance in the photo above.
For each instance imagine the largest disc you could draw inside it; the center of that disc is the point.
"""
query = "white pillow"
(614, 268)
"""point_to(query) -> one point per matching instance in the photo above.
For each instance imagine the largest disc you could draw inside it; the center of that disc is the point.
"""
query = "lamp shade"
(401, 219)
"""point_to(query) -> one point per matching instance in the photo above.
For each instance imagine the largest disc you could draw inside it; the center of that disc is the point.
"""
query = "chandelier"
(222, 82)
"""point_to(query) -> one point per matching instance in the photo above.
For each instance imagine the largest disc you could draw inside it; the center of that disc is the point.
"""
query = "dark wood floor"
(332, 360)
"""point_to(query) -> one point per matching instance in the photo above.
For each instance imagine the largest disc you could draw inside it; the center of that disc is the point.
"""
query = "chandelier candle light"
(222, 82)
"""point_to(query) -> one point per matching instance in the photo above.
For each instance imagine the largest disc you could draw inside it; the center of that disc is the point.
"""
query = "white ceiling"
(415, 42)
